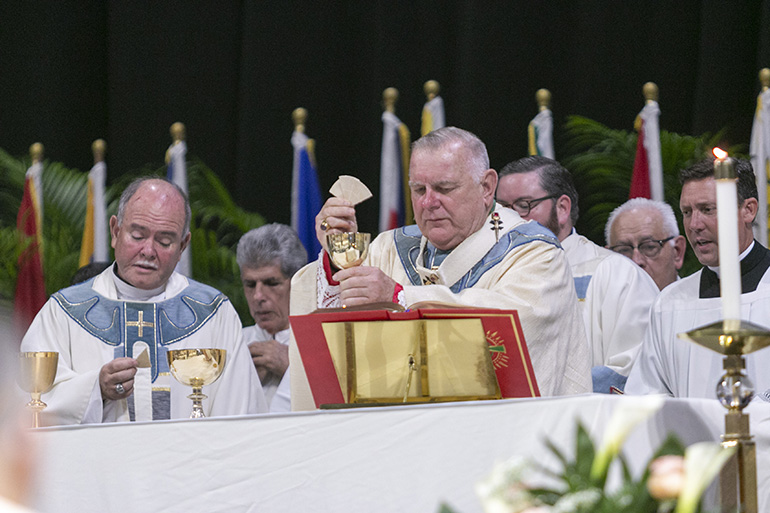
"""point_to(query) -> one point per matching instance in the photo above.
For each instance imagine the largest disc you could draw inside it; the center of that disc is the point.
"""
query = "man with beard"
(614, 293)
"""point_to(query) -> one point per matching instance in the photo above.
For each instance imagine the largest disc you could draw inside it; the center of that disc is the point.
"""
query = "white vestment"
(527, 271)
(76, 396)
(679, 368)
(615, 296)
(277, 390)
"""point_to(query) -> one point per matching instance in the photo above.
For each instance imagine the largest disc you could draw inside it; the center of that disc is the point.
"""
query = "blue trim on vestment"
(605, 379)
(407, 241)
(122, 323)
(581, 285)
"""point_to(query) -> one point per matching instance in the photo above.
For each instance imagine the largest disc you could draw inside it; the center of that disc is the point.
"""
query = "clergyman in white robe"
(277, 390)
(104, 318)
(525, 271)
(669, 365)
(615, 296)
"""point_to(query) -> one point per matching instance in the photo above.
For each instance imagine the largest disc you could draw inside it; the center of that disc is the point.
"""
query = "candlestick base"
(735, 338)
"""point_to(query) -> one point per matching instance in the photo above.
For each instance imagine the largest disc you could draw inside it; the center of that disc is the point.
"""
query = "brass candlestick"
(37, 372)
(734, 339)
(196, 368)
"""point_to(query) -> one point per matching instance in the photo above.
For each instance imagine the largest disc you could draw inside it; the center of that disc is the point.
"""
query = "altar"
(376, 459)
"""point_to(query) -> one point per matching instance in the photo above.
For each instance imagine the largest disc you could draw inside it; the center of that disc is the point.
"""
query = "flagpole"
(176, 159)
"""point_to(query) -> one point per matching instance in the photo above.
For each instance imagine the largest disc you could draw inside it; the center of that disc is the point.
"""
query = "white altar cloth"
(384, 459)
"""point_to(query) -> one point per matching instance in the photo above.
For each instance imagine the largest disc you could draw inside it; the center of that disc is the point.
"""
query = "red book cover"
(502, 328)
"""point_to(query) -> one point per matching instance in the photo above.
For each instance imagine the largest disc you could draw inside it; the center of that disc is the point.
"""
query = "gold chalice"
(37, 371)
(196, 368)
(348, 249)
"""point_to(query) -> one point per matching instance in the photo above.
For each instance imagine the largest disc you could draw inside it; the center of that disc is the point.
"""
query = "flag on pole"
(433, 111)
(94, 247)
(647, 176)
(395, 206)
(30, 285)
(305, 192)
(176, 156)
(540, 129)
(760, 157)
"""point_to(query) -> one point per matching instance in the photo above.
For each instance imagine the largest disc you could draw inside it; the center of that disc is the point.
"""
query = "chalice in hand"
(347, 249)
(196, 368)
(36, 376)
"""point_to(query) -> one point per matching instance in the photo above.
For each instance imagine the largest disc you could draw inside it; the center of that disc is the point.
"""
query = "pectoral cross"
(497, 225)
(140, 323)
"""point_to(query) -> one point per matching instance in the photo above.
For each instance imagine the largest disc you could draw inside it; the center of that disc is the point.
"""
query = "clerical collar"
(128, 292)
(755, 262)
(715, 268)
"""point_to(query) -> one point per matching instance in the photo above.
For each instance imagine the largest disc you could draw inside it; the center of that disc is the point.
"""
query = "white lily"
(702, 462)
(626, 416)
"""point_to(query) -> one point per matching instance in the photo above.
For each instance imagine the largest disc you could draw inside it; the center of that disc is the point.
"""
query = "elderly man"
(268, 257)
(646, 231)
(455, 255)
(672, 366)
(613, 293)
(112, 332)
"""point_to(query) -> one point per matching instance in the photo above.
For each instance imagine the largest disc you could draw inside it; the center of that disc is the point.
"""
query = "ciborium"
(196, 368)
(37, 372)
(348, 249)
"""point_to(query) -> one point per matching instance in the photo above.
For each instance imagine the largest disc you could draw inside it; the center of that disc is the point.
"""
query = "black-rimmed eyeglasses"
(523, 206)
(649, 248)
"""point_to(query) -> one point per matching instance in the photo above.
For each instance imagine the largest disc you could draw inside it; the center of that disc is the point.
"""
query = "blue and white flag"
(305, 193)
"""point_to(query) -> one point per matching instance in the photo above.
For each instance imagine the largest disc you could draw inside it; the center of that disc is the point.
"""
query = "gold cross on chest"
(140, 323)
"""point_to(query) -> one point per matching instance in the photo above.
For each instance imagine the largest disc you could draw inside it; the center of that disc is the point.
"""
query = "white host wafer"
(350, 188)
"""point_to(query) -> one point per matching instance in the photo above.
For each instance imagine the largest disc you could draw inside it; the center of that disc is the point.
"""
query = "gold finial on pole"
(98, 148)
(178, 132)
(299, 117)
(36, 152)
(389, 99)
(543, 98)
(431, 88)
(764, 78)
(650, 92)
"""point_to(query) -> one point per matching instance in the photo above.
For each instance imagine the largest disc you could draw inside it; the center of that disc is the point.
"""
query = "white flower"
(583, 499)
(702, 462)
(626, 416)
(503, 491)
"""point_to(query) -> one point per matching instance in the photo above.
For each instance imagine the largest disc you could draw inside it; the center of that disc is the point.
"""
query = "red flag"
(30, 286)
(640, 179)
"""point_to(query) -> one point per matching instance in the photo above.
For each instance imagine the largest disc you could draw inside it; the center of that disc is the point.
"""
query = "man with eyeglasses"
(646, 231)
(668, 365)
(614, 294)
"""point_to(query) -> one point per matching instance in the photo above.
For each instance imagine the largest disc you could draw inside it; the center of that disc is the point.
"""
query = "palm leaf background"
(601, 160)
(217, 225)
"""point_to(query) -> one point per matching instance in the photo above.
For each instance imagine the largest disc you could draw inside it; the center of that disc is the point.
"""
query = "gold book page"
(458, 362)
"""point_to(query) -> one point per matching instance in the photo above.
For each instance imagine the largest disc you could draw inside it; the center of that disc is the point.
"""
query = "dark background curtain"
(233, 71)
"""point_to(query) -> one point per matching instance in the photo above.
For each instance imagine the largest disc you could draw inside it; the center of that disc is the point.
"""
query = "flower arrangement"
(673, 481)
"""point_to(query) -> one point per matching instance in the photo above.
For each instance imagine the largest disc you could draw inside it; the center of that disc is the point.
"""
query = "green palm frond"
(601, 160)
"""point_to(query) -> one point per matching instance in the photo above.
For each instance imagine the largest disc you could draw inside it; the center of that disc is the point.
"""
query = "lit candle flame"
(719, 153)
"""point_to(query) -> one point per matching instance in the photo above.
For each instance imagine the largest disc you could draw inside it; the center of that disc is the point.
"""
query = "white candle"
(727, 222)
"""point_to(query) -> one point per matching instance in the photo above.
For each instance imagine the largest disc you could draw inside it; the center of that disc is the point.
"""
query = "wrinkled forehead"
(638, 224)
